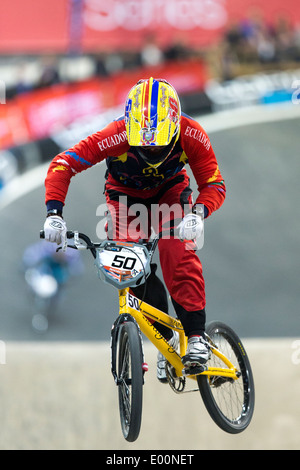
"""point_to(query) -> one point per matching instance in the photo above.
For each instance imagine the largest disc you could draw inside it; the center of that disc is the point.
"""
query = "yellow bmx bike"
(225, 382)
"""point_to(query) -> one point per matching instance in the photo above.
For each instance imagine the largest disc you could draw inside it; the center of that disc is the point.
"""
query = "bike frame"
(127, 356)
(143, 313)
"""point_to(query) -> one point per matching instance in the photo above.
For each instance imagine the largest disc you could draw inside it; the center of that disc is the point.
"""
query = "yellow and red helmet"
(152, 117)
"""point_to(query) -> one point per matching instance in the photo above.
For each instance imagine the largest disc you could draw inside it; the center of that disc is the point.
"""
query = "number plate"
(133, 301)
(122, 264)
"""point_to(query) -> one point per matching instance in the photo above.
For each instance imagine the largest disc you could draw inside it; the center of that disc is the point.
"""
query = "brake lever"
(77, 242)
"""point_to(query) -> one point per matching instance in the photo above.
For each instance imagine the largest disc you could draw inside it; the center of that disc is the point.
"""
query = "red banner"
(101, 25)
(39, 114)
(34, 26)
(118, 24)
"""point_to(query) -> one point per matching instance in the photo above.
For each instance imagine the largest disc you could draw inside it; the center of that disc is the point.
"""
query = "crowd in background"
(248, 46)
(254, 42)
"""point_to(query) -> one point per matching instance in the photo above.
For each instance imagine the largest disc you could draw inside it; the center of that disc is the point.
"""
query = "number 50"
(124, 262)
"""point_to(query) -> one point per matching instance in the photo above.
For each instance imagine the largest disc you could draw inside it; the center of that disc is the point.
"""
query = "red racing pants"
(131, 215)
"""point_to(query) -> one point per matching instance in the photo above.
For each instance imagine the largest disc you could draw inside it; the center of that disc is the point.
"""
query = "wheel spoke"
(130, 380)
(230, 402)
(228, 394)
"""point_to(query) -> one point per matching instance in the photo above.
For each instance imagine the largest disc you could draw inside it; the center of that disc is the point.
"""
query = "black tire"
(130, 380)
(230, 403)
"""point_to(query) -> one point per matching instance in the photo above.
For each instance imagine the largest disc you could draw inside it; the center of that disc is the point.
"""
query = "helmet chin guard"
(157, 158)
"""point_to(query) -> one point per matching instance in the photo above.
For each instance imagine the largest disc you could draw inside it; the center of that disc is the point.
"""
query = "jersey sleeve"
(84, 155)
(203, 163)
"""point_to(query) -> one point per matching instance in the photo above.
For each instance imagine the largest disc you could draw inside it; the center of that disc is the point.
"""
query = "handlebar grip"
(69, 234)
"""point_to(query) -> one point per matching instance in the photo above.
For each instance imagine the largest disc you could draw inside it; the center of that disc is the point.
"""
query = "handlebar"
(77, 236)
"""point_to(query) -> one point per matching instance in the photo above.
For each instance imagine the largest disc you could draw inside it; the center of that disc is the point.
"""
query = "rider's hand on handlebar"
(191, 227)
(55, 229)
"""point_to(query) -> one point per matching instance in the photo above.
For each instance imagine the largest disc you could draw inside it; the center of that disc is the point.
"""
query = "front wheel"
(229, 402)
(130, 380)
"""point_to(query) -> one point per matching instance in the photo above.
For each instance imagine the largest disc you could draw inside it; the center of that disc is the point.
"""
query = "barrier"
(62, 396)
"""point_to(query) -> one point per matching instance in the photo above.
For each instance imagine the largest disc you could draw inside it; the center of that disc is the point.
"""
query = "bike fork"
(114, 343)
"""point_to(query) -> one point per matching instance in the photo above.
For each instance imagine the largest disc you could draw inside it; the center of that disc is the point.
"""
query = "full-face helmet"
(152, 119)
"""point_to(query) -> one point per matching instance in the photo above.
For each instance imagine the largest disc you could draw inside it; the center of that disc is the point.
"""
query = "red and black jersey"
(127, 168)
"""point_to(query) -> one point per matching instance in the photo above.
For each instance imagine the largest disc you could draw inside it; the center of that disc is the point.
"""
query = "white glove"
(55, 229)
(191, 227)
